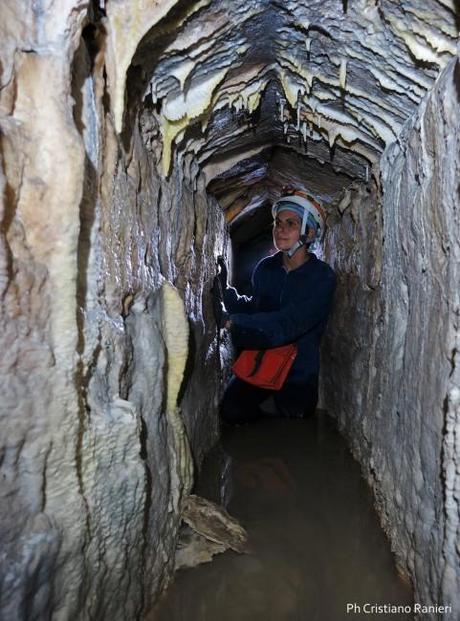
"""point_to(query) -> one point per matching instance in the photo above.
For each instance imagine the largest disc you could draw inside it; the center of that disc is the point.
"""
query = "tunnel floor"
(315, 539)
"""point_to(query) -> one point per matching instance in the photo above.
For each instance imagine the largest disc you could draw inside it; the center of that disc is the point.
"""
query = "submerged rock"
(193, 549)
(214, 523)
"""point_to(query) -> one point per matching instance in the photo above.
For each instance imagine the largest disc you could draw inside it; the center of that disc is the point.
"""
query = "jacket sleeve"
(272, 329)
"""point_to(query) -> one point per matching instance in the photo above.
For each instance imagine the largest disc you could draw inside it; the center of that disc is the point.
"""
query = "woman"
(292, 297)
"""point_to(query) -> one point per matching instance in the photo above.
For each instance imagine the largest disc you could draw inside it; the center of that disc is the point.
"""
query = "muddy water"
(315, 538)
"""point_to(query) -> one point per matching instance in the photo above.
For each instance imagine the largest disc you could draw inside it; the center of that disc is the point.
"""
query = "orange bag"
(265, 368)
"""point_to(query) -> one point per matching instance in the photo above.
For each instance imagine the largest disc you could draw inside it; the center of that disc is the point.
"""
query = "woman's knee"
(298, 401)
(240, 402)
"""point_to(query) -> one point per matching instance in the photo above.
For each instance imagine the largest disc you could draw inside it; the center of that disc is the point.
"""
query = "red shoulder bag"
(265, 368)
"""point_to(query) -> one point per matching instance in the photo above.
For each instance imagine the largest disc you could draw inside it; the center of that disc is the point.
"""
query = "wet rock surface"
(393, 372)
(95, 457)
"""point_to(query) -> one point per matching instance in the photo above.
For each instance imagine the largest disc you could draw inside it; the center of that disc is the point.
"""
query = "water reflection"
(316, 542)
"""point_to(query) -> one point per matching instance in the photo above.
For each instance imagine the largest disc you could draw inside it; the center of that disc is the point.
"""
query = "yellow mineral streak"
(290, 88)
(248, 99)
(428, 52)
(450, 4)
(431, 25)
(198, 102)
(421, 52)
(252, 79)
(195, 104)
(343, 74)
(175, 334)
(176, 340)
(379, 129)
(292, 64)
(48, 204)
(385, 80)
(392, 78)
(127, 23)
(254, 100)
(409, 73)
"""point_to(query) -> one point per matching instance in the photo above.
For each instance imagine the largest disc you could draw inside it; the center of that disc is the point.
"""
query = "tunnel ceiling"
(334, 80)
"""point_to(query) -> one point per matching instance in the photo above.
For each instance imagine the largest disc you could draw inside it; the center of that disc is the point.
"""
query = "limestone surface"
(393, 374)
(131, 130)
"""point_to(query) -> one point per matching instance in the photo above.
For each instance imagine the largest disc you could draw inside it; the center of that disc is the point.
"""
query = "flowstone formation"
(131, 130)
(347, 76)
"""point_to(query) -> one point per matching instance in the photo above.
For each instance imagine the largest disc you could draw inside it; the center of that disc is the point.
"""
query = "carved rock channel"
(139, 141)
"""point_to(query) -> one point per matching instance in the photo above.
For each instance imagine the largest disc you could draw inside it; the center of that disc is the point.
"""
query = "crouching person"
(292, 297)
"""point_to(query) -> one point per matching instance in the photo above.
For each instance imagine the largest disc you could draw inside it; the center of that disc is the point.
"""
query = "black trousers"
(241, 401)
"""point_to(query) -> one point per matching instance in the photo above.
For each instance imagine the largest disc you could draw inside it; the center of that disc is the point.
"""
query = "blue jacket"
(286, 307)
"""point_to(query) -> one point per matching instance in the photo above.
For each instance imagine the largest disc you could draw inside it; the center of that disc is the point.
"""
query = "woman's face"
(286, 229)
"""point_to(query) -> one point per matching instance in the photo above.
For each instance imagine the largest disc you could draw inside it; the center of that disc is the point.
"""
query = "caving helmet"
(308, 209)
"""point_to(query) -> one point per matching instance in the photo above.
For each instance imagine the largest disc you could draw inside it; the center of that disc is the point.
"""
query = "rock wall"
(391, 369)
(100, 260)
(115, 114)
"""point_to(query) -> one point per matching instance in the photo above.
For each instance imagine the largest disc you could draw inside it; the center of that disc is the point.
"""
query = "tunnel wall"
(390, 361)
(104, 276)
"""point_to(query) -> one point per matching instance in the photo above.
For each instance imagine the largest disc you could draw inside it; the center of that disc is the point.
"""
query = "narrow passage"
(315, 538)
